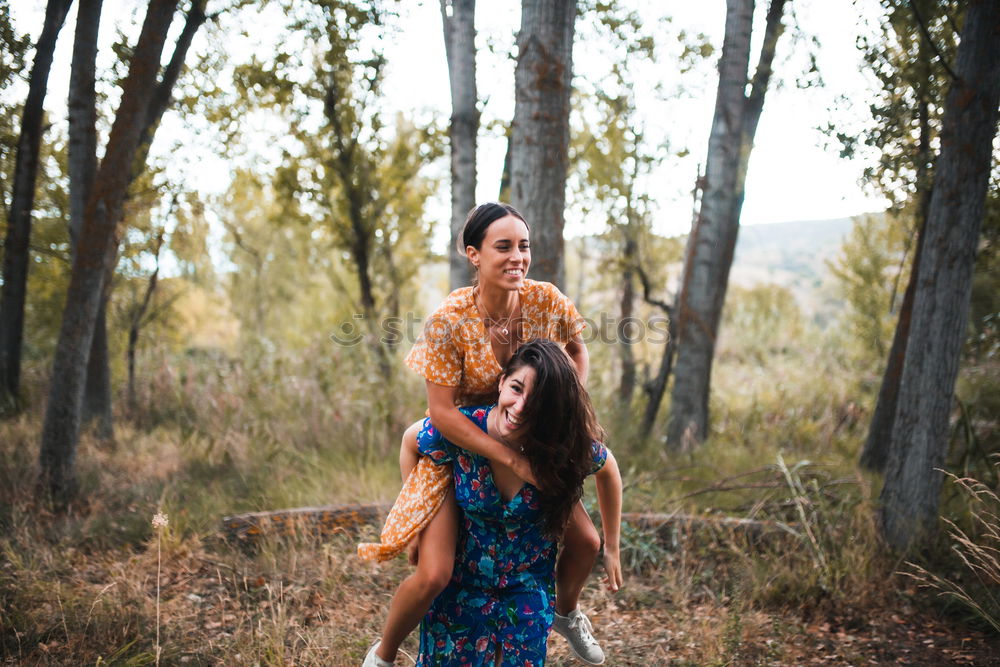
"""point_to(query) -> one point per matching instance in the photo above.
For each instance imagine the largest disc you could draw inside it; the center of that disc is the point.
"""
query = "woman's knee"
(433, 579)
(410, 434)
(582, 538)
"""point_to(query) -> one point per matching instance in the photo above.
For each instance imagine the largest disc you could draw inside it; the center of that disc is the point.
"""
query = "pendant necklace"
(505, 325)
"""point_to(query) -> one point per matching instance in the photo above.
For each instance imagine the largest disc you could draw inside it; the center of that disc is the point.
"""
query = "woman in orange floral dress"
(461, 353)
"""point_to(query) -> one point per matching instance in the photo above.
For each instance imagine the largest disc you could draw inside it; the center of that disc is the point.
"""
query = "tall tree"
(909, 63)
(911, 494)
(710, 247)
(460, 46)
(361, 176)
(15, 259)
(95, 252)
(540, 134)
(82, 162)
(97, 391)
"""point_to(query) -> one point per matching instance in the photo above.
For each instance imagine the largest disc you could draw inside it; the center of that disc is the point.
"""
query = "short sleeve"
(436, 354)
(559, 320)
(431, 443)
(598, 456)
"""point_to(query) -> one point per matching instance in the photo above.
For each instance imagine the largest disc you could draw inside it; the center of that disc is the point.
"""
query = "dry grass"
(978, 549)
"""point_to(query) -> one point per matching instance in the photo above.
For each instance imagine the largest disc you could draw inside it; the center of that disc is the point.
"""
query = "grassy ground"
(98, 585)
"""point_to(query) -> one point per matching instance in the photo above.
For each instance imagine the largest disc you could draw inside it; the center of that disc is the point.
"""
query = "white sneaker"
(576, 628)
(372, 660)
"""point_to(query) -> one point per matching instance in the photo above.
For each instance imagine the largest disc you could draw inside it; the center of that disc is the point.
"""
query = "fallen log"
(326, 521)
(317, 522)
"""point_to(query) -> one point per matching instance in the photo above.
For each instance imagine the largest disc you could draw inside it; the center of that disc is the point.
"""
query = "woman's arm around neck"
(459, 430)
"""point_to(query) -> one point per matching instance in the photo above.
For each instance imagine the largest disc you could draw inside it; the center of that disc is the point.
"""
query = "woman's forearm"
(459, 430)
(609, 499)
(578, 354)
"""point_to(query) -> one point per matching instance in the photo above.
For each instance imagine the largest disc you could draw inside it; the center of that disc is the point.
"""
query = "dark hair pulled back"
(560, 428)
(479, 220)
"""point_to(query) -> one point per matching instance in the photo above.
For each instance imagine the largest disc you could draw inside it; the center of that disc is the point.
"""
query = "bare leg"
(435, 559)
(581, 544)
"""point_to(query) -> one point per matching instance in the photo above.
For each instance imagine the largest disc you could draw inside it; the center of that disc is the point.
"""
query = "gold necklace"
(505, 327)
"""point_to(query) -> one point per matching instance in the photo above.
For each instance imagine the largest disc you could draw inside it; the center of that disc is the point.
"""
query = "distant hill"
(793, 255)
(786, 251)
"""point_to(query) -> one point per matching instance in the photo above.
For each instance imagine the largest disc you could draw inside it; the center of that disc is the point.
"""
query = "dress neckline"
(508, 504)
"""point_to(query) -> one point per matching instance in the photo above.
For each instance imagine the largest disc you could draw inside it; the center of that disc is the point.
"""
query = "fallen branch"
(323, 521)
(326, 521)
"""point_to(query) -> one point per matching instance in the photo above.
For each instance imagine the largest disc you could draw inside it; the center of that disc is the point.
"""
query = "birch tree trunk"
(917, 448)
(16, 244)
(458, 17)
(95, 252)
(710, 247)
(540, 132)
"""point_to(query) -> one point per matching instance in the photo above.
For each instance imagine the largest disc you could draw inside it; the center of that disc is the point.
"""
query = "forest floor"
(96, 584)
(315, 603)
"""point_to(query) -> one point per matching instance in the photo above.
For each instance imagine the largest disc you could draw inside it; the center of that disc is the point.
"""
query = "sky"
(792, 174)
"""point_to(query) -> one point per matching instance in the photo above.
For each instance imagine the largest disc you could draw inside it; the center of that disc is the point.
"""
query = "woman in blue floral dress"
(498, 608)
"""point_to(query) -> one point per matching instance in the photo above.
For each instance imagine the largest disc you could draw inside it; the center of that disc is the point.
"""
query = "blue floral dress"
(502, 589)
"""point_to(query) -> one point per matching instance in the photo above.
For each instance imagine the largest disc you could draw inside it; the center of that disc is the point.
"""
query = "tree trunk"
(82, 107)
(164, 90)
(656, 387)
(917, 448)
(626, 386)
(540, 132)
(459, 41)
(504, 194)
(135, 326)
(96, 250)
(15, 260)
(876, 449)
(82, 160)
(712, 241)
(97, 392)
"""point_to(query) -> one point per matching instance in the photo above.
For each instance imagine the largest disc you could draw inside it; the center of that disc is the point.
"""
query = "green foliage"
(871, 272)
(983, 336)
(906, 116)
(350, 191)
(49, 270)
(279, 270)
(13, 52)
(765, 318)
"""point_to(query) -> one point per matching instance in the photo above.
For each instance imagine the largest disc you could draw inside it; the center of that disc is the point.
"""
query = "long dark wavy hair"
(559, 428)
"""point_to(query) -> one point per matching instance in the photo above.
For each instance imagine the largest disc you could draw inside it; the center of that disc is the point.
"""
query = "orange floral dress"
(454, 350)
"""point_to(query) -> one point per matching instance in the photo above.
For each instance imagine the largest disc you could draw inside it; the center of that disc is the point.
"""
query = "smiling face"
(515, 390)
(504, 255)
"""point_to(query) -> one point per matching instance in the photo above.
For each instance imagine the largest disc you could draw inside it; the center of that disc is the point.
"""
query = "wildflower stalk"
(159, 523)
